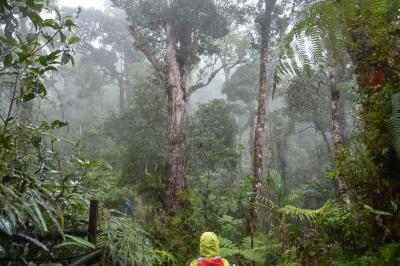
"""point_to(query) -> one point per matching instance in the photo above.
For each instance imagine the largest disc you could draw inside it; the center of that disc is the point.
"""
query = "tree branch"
(139, 45)
(200, 84)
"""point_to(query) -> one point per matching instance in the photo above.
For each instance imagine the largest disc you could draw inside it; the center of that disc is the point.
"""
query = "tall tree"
(265, 22)
(241, 90)
(174, 35)
(106, 47)
(359, 29)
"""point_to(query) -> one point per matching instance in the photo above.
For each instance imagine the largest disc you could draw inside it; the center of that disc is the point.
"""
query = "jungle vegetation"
(273, 123)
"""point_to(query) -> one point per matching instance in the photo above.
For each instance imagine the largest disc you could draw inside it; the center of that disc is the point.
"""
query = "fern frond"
(264, 246)
(278, 185)
(315, 45)
(305, 214)
(227, 247)
(293, 197)
(266, 203)
(394, 123)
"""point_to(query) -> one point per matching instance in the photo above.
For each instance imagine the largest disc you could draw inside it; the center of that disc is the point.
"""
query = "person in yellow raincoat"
(209, 252)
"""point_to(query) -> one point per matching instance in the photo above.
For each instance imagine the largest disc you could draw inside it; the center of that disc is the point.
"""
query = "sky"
(100, 4)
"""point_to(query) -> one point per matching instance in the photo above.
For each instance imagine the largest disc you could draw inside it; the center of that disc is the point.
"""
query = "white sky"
(99, 4)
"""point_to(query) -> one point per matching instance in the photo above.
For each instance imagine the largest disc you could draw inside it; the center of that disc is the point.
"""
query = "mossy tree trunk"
(265, 27)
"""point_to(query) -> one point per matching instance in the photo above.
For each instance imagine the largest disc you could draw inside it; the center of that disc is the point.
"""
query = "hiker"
(209, 252)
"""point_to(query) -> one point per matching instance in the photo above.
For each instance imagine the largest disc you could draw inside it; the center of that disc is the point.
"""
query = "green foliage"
(29, 43)
(339, 27)
(394, 123)
(129, 244)
(340, 234)
(283, 204)
(212, 132)
(242, 86)
(264, 251)
(231, 227)
(181, 235)
(27, 165)
(80, 241)
(365, 32)
(144, 128)
(42, 186)
(195, 33)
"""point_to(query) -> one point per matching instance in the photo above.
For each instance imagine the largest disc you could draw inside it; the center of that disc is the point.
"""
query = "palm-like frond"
(328, 26)
(305, 214)
(278, 185)
(267, 203)
(228, 248)
(292, 198)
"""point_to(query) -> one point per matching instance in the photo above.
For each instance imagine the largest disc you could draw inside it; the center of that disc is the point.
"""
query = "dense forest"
(131, 127)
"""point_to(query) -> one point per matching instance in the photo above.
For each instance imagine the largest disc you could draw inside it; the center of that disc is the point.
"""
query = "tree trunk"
(178, 107)
(227, 73)
(270, 158)
(251, 129)
(337, 138)
(122, 91)
(262, 106)
(26, 107)
(320, 129)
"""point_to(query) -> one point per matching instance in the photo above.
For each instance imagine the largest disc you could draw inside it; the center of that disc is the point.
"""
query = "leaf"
(69, 24)
(43, 60)
(96, 164)
(51, 68)
(381, 213)
(58, 124)
(34, 241)
(367, 207)
(65, 58)
(36, 19)
(62, 37)
(73, 40)
(40, 216)
(68, 244)
(27, 97)
(81, 241)
(42, 90)
(38, 7)
(51, 23)
(8, 59)
(30, 37)
(30, 3)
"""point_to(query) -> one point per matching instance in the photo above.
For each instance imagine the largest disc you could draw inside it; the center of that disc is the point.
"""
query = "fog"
(257, 120)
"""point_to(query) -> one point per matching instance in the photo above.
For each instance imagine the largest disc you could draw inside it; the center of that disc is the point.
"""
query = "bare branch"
(200, 84)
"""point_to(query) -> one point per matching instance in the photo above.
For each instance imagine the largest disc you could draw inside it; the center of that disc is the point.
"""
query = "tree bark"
(337, 138)
(122, 94)
(178, 107)
(262, 106)
(251, 129)
(227, 73)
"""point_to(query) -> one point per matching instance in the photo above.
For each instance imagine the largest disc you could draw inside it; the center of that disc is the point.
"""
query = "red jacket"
(211, 262)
